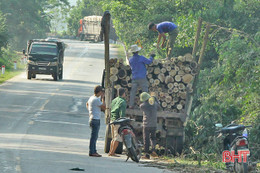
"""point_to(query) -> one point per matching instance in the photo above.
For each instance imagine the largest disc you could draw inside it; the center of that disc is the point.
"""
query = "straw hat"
(135, 48)
(144, 96)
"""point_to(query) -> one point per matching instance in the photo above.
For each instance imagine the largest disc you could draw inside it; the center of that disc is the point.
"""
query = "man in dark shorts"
(118, 108)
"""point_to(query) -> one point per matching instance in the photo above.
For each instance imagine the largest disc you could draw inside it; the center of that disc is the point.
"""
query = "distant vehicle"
(53, 39)
(45, 57)
(90, 28)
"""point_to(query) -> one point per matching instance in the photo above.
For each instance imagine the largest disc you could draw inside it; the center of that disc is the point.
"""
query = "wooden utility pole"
(106, 20)
(106, 29)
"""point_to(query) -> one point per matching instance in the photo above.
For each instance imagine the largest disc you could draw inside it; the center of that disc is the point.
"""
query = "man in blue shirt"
(163, 28)
(137, 64)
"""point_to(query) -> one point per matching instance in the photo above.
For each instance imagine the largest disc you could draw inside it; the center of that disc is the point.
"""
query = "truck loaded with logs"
(172, 81)
(169, 81)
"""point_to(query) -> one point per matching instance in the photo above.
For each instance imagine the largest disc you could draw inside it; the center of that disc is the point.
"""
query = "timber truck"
(170, 119)
(178, 74)
(90, 28)
(44, 57)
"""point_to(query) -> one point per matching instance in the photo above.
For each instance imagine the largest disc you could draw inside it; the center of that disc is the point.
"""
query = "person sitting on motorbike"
(118, 108)
(149, 107)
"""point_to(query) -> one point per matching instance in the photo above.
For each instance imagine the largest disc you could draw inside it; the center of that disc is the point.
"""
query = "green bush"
(8, 57)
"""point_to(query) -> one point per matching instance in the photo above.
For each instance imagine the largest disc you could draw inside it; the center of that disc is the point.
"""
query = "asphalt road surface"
(44, 123)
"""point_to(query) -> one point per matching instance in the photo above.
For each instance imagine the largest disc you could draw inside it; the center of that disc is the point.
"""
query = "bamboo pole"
(195, 47)
(205, 40)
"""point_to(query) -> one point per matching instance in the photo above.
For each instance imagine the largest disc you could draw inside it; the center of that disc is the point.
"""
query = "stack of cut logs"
(169, 80)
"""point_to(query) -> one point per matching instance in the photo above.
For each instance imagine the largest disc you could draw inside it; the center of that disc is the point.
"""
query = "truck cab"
(45, 57)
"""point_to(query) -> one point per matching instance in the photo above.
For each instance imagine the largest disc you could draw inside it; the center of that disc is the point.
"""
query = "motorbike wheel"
(245, 168)
(133, 154)
(241, 168)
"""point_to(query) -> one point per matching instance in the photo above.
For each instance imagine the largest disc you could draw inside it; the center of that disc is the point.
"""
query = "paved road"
(44, 123)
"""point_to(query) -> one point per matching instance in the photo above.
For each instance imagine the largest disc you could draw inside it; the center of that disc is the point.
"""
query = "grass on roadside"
(9, 74)
(190, 165)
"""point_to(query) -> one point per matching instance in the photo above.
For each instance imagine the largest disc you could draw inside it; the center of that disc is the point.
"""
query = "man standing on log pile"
(137, 64)
(162, 28)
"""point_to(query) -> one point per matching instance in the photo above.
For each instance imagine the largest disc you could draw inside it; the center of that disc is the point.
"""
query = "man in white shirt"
(94, 106)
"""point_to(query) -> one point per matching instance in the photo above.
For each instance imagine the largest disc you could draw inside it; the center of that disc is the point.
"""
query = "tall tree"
(28, 19)
(3, 31)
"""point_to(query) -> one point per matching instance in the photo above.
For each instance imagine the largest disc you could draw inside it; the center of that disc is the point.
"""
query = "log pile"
(169, 80)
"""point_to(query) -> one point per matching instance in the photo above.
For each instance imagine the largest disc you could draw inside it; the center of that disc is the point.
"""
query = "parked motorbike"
(127, 133)
(236, 140)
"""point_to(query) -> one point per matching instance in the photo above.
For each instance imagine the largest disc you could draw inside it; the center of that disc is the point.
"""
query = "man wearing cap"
(150, 106)
(163, 28)
(94, 106)
(118, 108)
(137, 63)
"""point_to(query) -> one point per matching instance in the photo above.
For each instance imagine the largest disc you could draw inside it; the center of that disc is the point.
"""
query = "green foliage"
(28, 19)
(3, 31)
(8, 57)
(229, 91)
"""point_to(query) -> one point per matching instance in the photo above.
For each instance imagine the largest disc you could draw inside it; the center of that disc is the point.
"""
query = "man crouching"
(118, 108)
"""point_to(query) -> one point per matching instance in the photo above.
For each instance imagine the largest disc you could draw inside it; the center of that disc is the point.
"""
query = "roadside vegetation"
(7, 59)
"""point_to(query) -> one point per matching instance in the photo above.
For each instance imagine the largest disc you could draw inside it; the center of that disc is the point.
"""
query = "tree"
(28, 19)
(3, 31)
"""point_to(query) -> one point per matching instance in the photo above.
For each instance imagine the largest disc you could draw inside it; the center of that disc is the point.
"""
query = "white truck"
(90, 28)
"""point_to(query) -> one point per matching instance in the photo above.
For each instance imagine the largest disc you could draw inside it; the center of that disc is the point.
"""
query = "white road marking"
(18, 165)
(61, 122)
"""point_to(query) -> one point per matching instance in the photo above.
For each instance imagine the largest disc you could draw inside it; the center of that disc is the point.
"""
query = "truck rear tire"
(33, 75)
(108, 139)
(61, 73)
(81, 37)
(55, 76)
(97, 39)
(175, 144)
(29, 75)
